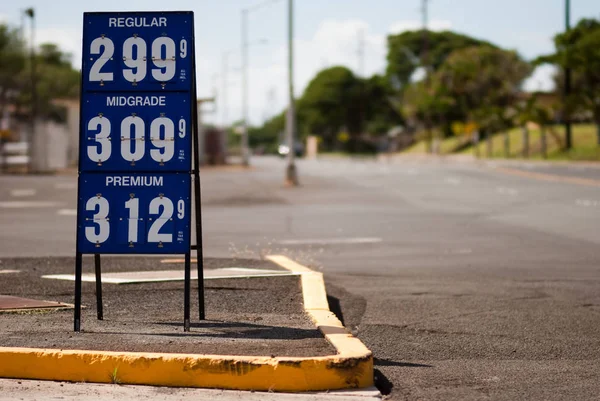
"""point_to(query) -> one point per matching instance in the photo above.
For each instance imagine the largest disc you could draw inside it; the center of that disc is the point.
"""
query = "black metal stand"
(98, 270)
(187, 291)
(77, 320)
(198, 197)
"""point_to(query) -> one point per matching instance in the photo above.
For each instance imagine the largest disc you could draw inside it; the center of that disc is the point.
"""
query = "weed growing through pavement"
(114, 377)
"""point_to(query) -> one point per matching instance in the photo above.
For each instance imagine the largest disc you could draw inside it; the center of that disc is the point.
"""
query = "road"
(468, 281)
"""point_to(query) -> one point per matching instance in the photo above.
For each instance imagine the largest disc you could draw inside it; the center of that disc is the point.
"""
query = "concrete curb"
(351, 368)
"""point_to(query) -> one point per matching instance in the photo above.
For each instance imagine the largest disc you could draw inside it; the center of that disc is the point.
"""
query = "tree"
(330, 103)
(380, 113)
(55, 77)
(405, 50)
(579, 50)
(12, 62)
(485, 83)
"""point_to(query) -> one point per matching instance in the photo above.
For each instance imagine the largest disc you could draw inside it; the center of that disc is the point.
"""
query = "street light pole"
(31, 13)
(245, 147)
(568, 134)
(224, 83)
(291, 173)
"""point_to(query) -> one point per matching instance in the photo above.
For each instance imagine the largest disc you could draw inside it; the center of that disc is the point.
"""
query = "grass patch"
(585, 145)
(446, 145)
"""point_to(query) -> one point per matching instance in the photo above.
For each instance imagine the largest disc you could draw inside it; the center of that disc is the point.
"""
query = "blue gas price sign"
(134, 213)
(143, 51)
(136, 131)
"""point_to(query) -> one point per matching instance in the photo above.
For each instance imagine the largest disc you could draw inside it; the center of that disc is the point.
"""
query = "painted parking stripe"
(22, 192)
(331, 241)
(67, 212)
(65, 185)
(27, 204)
(587, 203)
(162, 276)
(8, 271)
(507, 191)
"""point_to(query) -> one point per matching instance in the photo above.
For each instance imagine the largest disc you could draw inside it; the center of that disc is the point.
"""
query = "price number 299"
(135, 57)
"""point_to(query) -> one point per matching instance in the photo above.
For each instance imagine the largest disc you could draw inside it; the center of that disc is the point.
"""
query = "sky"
(327, 33)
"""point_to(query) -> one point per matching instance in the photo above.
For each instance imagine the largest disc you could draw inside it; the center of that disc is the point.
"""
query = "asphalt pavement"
(261, 316)
(465, 281)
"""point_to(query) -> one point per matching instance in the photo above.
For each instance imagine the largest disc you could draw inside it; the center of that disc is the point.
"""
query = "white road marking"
(172, 275)
(453, 181)
(22, 192)
(27, 204)
(330, 241)
(507, 191)
(67, 212)
(65, 185)
(587, 203)
(8, 271)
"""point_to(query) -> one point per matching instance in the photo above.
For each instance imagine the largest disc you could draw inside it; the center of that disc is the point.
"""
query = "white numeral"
(100, 219)
(166, 63)
(163, 58)
(167, 213)
(181, 209)
(182, 128)
(133, 205)
(162, 136)
(183, 48)
(137, 63)
(137, 142)
(167, 143)
(102, 139)
(109, 50)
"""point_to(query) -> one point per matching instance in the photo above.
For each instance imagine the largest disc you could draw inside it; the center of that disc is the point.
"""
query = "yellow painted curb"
(317, 307)
(351, 368)
(550, 177)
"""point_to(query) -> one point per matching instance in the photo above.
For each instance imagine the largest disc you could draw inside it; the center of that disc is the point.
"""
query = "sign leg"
(98, 269)
(199, 253)
(186, 301)
(78, 268)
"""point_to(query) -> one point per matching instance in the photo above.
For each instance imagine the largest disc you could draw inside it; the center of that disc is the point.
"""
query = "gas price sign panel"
(142, 132)
(135, 133)
(141, 213)
(144, 51)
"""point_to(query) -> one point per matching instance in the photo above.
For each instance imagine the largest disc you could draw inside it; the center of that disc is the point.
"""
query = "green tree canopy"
(579, 50)
(55, 77)
(330, 103)
(12, 62)
(484, 83)
(406, 49)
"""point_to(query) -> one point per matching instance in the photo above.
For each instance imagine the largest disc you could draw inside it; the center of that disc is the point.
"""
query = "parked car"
(284, 149)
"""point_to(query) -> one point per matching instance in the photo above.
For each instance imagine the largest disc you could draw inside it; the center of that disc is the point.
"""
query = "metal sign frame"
(187, 168)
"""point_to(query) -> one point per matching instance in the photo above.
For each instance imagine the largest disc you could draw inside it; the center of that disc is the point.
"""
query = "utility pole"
(224, 72)
(291, 178)
(31, 13)
(360, 52)
(245, 147)
(567, 117)
(425, 61)
(361, 74)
